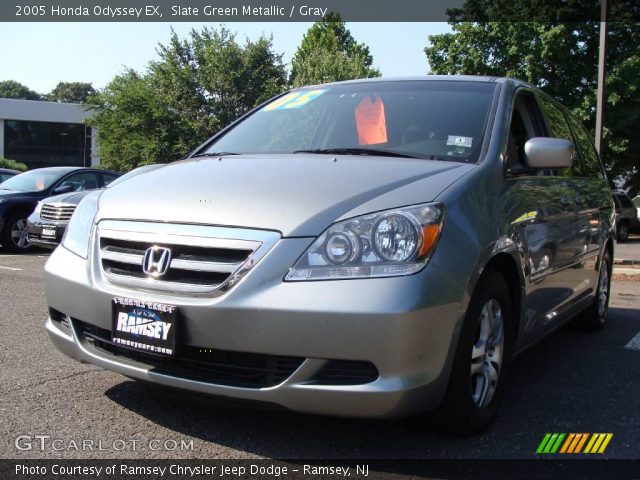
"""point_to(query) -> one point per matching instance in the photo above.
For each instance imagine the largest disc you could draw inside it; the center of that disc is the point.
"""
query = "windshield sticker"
(294, 100)
(370, 121)
(459, 141)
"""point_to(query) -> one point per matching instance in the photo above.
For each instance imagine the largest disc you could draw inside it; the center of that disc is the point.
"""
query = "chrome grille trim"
(57, 212)
(120, 245)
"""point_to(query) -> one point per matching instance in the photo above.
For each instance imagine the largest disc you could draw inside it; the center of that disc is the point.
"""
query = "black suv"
(626, 215)
(20, 195)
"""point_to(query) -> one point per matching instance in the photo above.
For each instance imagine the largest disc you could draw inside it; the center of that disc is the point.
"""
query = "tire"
(14, 237)
(623, 231)
(594, 318)
(465, 410)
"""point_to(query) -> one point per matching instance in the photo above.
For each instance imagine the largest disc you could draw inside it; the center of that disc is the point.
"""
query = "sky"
(39, 55)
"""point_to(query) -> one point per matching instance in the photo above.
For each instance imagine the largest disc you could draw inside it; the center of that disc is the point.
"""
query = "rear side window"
(588, 156)
(107, 178)
(624, 201)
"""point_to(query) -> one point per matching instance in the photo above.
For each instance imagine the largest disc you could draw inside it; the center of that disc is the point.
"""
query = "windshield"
(425, 119)
(33, 181)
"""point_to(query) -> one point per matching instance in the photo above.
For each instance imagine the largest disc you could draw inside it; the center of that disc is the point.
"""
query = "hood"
(71, 198)
(7, 194)
(298, 195)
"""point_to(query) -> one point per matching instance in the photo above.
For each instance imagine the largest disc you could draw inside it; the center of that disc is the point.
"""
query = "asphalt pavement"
(570, 382)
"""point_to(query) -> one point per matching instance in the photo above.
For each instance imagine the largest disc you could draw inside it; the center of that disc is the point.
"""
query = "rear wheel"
(482, 359)
(595, 317)
(14, 234)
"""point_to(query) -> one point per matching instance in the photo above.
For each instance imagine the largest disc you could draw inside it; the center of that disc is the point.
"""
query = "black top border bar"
(220, 11)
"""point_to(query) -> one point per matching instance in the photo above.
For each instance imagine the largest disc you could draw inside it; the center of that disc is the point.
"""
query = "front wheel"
(14, 235)
(482, 359)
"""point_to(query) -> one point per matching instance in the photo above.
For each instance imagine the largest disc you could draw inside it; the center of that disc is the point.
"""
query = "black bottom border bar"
(317, 469)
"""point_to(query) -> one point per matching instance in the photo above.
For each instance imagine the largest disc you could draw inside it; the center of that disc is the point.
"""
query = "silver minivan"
(371, 248)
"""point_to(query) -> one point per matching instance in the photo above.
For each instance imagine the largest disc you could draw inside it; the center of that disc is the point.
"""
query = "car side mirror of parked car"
(62, 189)
(546, 152)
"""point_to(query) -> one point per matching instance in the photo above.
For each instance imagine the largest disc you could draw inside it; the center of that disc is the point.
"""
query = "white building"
(42, 134)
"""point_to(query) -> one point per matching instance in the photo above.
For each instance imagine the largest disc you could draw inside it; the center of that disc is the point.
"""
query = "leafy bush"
(13, 165)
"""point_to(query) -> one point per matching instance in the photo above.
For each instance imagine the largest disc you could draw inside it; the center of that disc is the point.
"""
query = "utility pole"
(602, 63)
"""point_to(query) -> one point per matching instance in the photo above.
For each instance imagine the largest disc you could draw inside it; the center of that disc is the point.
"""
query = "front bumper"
(406, 326)
(34, 229)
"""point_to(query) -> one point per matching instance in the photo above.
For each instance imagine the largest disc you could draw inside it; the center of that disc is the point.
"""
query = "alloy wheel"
(487, 354)
(19, 234)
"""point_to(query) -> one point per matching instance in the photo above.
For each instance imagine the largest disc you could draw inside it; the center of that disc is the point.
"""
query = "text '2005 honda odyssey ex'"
(368, 248)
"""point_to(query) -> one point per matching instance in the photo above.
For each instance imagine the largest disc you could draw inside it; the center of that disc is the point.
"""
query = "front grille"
(347, 372)
(220, 367)
(203, 259)
(57, 212)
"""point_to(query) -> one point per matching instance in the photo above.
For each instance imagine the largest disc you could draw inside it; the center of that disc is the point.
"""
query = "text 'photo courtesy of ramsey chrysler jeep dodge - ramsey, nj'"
(374, 248)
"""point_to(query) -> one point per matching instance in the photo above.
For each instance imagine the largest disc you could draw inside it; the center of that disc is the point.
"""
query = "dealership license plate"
(49, 232)
(145, 326)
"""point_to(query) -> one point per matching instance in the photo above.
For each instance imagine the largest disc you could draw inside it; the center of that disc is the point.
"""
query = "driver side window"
(79, 182)
(522, 128)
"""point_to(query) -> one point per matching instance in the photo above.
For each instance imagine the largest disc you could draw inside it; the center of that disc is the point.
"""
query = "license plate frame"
(144, 326)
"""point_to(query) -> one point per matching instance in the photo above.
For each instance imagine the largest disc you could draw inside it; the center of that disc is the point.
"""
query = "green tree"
(71, 92)
(135, 127)
(329, 52)
(210, 79)
(12, 164)
(197, 86)
(16, 90)
(560, 58)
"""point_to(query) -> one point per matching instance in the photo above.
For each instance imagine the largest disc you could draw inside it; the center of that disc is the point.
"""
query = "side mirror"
(62, 189)
(545, 152)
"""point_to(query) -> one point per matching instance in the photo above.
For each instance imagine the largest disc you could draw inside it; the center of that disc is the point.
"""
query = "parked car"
(6, 174)
(48, 222)
(372, 248)
(19, 196)
(636, 203)
(626, 215)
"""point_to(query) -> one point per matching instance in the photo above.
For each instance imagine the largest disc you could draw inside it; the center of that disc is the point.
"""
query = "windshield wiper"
(214, 154)
(360, 151)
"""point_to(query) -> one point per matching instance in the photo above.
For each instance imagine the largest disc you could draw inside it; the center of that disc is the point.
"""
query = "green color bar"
(550, 443)
(555, 448)
(543, 443)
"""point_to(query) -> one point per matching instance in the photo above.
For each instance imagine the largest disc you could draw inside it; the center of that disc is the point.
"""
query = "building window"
(46, 144)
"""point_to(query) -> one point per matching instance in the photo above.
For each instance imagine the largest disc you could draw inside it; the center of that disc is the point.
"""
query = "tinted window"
(427, 119)
(107, 178)
(624, 201)
(80, 182)
(588, 155)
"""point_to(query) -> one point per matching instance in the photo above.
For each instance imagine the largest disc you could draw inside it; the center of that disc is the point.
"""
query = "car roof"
(427, 78)
(69, 169)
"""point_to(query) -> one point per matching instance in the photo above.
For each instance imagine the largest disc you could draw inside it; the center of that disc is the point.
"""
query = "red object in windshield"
(370, 121)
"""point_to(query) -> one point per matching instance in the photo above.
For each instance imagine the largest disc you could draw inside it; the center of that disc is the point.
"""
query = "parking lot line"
(10, 268)
(634, 343)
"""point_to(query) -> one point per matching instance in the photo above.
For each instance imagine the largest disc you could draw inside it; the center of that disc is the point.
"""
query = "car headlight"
(384, 244)
(78, 234)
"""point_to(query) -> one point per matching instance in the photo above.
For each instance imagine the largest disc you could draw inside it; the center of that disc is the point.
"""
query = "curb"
(621, 261)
